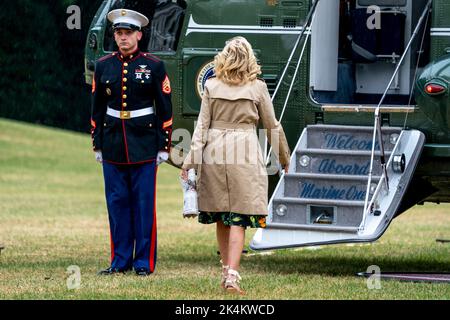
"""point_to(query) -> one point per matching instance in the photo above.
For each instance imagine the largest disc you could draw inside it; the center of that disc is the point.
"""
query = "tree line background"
(42, 63)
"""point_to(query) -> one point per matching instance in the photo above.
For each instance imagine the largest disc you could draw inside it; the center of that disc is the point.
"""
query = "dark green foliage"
(42, 63)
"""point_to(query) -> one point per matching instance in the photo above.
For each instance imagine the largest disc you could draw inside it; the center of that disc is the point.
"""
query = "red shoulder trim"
(107, 57)
(150, 57)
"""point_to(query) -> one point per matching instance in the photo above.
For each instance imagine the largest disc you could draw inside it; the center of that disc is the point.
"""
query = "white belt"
(129, 114)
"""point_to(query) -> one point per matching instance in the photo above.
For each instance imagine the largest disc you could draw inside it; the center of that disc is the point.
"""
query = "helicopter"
(361, 88)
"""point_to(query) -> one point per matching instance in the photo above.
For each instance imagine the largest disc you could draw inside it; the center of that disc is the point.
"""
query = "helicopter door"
(324, 63)
(354, 57)
(376, 51)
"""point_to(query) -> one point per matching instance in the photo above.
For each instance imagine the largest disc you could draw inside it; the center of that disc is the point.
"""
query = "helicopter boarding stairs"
(322, 199)
(345, 183)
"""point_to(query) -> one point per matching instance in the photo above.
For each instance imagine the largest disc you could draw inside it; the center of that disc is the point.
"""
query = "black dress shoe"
(142, 272)
(111, 271)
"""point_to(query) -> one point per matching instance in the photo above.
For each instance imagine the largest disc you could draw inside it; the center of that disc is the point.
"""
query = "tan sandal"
(224, 274)
(232, 282)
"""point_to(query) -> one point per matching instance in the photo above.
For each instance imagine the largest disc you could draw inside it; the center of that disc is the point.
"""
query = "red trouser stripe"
(153, 245)
(112, 247)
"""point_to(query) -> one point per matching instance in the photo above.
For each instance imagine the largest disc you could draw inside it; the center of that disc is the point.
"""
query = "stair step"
(319, 202)
(326, 186)
(343, 162)
(347, 137)
(330, 176)
(296, 211)
(284, 226)
(333, 152)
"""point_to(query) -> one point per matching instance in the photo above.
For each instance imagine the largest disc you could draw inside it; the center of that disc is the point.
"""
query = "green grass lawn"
(53, 215)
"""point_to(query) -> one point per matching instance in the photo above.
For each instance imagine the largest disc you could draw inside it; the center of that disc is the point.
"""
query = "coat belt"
(231, 126)
(129, 114)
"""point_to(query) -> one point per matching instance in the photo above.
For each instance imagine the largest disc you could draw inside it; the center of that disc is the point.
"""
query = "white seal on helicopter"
(205, 72)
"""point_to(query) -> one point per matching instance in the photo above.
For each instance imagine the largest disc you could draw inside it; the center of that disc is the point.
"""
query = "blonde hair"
(236, 64)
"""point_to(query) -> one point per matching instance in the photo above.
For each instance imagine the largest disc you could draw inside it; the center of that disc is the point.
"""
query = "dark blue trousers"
(130, 197)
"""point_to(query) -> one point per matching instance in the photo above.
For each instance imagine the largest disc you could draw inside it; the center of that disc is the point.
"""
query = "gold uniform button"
(167, 132)
(125, 79)
(125, 64)
(166, 148)
(104, 124)
(150, 125)
(124, 96)
(125, 71)
(124, 105)
(167, 140)
(125, 88)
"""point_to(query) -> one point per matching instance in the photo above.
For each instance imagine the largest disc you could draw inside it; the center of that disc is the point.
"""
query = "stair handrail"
(304, 28)
(307, 25)
(377, 127)
(288, 94)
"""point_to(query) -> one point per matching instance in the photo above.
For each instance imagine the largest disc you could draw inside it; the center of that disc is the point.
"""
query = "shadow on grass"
(320, 264)
(334, 263)
(346, 266)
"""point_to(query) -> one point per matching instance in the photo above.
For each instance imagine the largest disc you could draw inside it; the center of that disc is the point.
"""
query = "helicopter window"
(163, 32)
(166, 26)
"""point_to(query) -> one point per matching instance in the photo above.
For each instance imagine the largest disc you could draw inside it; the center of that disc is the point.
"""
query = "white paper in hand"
(190, 204)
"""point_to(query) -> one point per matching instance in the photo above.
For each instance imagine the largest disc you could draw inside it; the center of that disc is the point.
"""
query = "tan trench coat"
(225, 149)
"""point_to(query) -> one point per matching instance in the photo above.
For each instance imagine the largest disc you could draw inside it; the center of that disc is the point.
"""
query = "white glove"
(161, 157)
(98, 156)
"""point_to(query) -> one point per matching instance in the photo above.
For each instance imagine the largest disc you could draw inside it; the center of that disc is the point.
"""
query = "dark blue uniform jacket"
(125, 84)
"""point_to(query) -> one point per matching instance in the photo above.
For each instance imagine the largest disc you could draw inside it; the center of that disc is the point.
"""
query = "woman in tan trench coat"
(232, 179)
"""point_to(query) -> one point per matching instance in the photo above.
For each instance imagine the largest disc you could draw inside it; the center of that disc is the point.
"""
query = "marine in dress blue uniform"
(131, 132)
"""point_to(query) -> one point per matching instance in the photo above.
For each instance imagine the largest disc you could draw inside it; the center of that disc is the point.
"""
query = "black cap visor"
(128, 26)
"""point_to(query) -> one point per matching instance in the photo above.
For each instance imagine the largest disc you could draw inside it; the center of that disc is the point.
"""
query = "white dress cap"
(127, 19)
